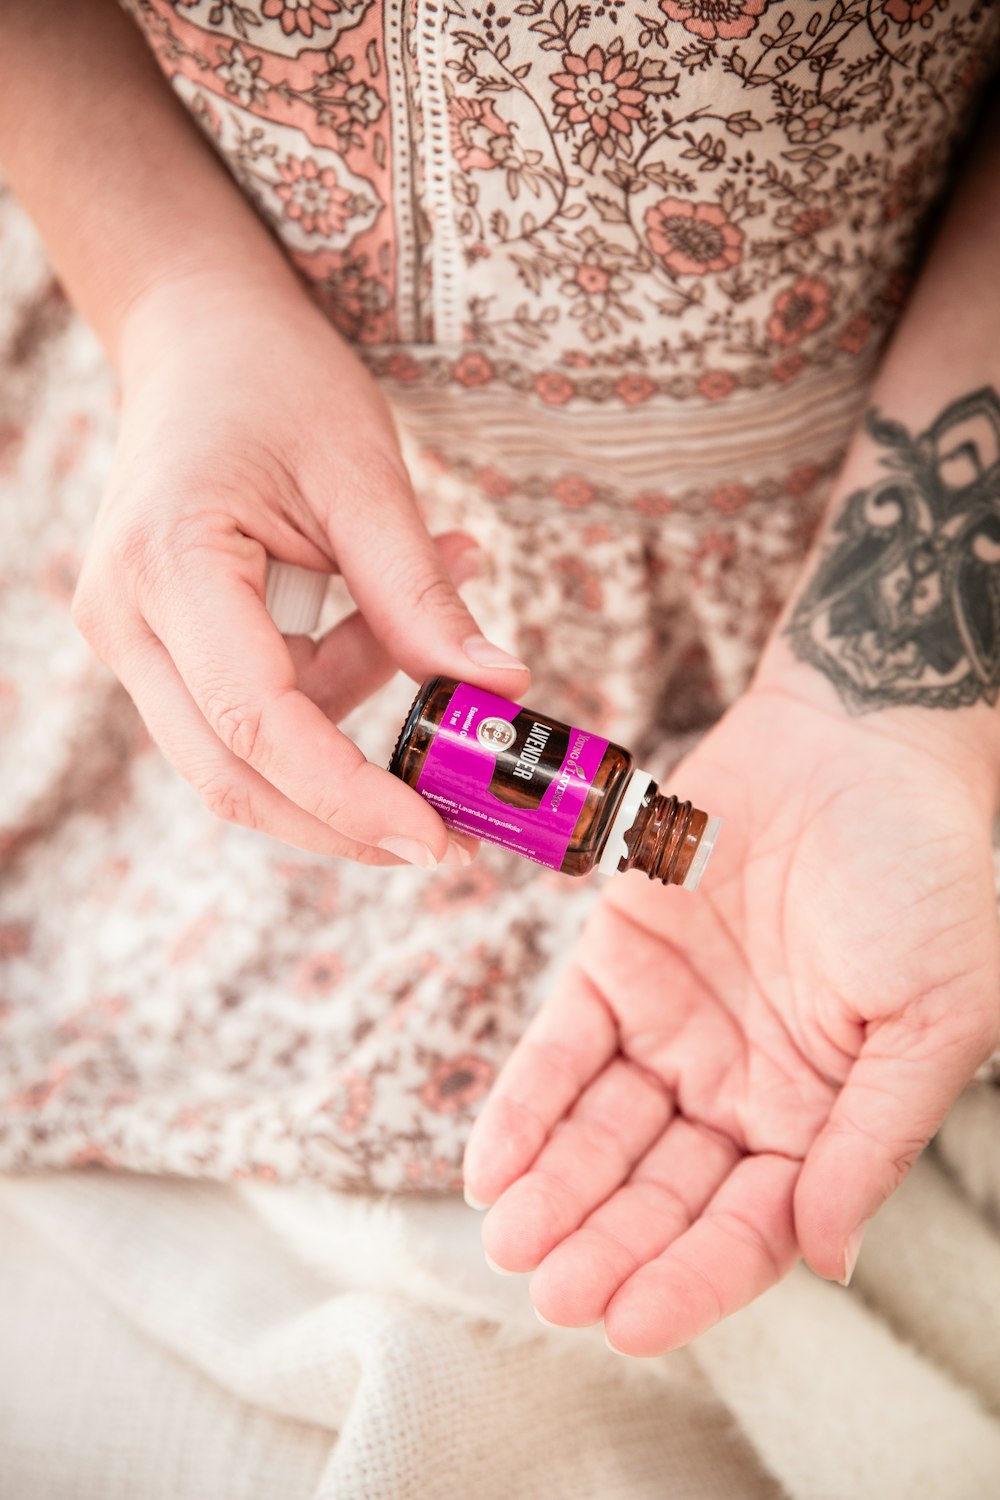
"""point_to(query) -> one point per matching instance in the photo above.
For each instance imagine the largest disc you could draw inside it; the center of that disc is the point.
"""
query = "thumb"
(908, 1074)
(401, 584)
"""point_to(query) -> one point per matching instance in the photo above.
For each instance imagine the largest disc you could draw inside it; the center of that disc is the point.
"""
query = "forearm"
(897, 613)
(124, 190)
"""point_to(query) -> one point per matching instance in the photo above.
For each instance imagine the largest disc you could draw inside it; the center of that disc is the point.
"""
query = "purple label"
(505, 774)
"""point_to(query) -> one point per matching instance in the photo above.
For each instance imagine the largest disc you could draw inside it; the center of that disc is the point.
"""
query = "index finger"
(237, 667)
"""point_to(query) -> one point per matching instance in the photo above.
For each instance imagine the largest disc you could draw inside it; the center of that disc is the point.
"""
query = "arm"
(719, 1085)
(896, 621)
(126, 193)
(898, 610)
(248, 430)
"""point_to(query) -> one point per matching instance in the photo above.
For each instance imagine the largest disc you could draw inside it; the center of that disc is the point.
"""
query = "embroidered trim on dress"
(447, 280)
(401, 132)
(527, 451)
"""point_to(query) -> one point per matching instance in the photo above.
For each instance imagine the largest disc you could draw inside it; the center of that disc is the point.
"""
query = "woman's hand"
(722, 1082)
(248, 429)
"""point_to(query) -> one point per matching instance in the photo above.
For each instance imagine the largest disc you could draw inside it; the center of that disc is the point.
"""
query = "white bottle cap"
(294, 597)
(616, 849)
(702, 854)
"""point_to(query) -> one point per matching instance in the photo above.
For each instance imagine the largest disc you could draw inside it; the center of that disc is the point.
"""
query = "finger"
(211, 619)
(588, 1154)
(665, 1194)
(566, 1045)
(229, 788)
(348, 664)
(742, 1244)
(907, 1076)
(396, 577)
(341, 669)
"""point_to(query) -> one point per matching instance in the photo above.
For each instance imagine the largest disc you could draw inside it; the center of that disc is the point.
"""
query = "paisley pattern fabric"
(624, 272)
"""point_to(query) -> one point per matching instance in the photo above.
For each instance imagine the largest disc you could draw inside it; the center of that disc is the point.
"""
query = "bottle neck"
(664, 838)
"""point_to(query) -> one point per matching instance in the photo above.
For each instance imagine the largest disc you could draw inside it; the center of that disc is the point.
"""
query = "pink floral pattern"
(630, 197)
(456, 1084)
(301, 15)
(311, 195)
(693, 238)
(473, 369)
(905, 12)
(724, 20)
(599, 92)
(479, 138)
(623, 273)
(318, 974)
(241, 76)
(799, 310)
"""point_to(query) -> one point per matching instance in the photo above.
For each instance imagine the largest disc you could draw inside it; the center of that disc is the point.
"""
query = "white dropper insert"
(702, 854)
(294, 597)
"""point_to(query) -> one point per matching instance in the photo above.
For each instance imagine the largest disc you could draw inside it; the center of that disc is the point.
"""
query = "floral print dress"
(623, 269)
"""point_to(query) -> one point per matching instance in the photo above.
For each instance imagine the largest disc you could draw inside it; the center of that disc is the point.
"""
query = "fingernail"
(473, 1202)
(544, 1320)
(478, 649)
(851, 1252)
(456, 854)
(411, 850)
(500, 1270)
(611, 1345)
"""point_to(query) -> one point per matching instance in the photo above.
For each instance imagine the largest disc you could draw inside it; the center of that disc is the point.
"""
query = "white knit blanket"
(174, 1339)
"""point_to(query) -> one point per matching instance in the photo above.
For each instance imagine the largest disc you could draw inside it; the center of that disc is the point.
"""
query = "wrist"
(195, 295)
(126, 192)
(963, 741)
(897, 619)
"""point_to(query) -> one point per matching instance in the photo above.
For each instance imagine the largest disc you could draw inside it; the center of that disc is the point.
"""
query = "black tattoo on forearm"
(904, 606)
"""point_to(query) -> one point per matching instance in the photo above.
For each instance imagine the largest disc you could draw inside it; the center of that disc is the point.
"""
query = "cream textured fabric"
(182, 1340)
(162, 1341)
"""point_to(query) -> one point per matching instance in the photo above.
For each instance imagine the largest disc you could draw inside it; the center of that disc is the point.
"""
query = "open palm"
(722, 1082)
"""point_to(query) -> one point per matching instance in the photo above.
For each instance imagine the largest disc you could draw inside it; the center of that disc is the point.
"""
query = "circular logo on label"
(495, 734)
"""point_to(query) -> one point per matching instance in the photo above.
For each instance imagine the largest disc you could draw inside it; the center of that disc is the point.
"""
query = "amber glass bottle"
(561, 796)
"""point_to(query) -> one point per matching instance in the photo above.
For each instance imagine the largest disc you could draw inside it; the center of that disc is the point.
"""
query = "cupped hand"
(249, 429)
(725, 1080)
